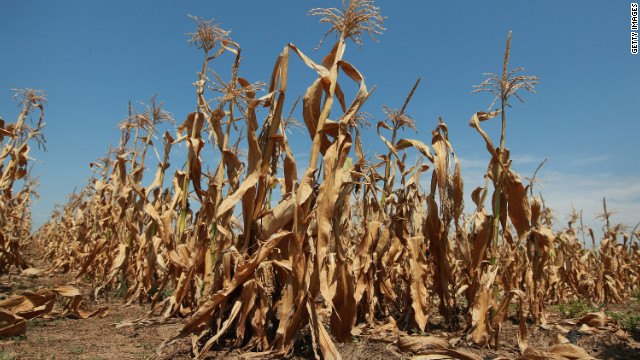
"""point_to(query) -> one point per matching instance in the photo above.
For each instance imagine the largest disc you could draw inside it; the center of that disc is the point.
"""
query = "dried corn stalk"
(351, 241)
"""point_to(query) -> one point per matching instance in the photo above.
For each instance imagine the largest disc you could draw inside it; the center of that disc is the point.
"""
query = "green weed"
(628, 322)
(76, 350)
(6, 355)
(576, 308)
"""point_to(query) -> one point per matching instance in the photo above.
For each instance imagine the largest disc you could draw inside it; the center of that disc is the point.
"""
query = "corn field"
(245, 248)
(15, 206)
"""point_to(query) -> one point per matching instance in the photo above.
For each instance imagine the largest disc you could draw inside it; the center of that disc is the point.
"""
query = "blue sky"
(91, 58)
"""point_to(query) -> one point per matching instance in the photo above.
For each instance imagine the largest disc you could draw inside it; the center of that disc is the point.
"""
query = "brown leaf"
(225, 326)
(116, 267)
(621, 334)
(360, 97)
(531, 354)
(446, 354)
(203, 315)
(344, 317)
(418, 145)
(305, 189)
(277, 218)
(363, 260)
(458, 191)
(597, 320)
(311, 109)
(519, 209)
(590, 329)
(501, 312)
(290, 170)
(176, 260)
(570, 351)
(475, 123)
(30, 304)
(322, 71)
(11, 325)
(558, 339)
(418, 280)
(417, 343)
(481, 330)
(73, 307)
(32, 272)
(327, 197)
(230, 201)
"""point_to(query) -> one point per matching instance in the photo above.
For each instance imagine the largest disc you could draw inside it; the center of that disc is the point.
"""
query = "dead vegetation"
(353, 247)
(15, 207)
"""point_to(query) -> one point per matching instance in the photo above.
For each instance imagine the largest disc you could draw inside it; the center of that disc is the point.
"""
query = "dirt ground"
(100, 338)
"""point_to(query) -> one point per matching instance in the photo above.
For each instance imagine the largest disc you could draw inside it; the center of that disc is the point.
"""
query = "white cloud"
(591, 160)
(475, 163)
(586, 192)
(526, 159)
(563, 189)
(298, 156)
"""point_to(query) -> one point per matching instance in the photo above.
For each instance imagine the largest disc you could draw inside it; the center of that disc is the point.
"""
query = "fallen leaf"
(32, 272)
(446, 354)
(11, 325)
(558, 339)
(417, 343)
(570, 351)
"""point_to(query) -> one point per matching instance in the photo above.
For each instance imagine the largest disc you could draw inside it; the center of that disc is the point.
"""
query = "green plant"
(632, 322)
(628, 322)
(147, 353)
(417, 331)
(121, 288)
(615, 316)
(6, 355)
(166, 293)
(576, 308)
(513, 307)
(76, 350)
